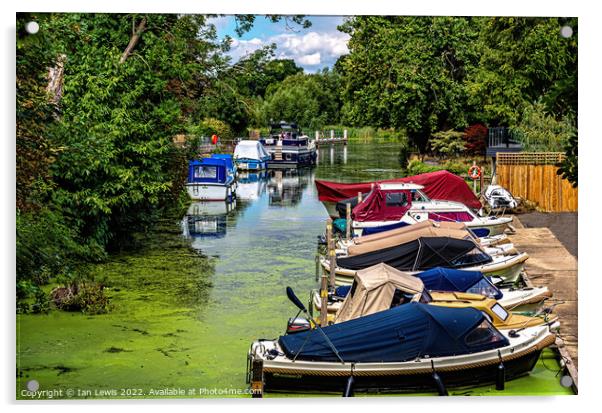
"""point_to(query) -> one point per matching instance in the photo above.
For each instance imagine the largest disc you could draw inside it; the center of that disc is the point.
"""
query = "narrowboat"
(288, 147)
(211, 179)
(250, 156)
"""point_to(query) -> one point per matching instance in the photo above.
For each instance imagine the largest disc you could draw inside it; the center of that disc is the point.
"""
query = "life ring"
(474, 172)
(214, 139)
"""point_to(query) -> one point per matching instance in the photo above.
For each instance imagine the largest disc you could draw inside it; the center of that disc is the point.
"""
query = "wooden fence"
(532, 176)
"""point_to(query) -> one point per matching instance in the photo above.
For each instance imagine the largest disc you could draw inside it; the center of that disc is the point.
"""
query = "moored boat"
(288, 147)
(409, 347)
(527, 300)
(250, 156)
(423, 253)
(211, 179)
(393, 205)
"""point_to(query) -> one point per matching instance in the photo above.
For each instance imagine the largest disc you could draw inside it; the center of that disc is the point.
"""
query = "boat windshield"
(419, 196)
(205, 172)
(476, 256)
(484, 334)
(484, 287)
(500, 311)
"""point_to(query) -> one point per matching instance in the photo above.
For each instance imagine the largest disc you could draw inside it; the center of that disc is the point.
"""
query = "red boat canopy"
(383, 205)
(437, 185)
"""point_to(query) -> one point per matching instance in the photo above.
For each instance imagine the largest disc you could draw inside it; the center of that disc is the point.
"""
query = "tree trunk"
(133, 40)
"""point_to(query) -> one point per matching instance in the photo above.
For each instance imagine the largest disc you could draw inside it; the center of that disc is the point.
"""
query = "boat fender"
(438, 381)
(500, 378)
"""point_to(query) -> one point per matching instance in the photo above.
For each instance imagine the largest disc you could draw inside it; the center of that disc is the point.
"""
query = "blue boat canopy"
(226, 157)
(402, 333)
(447, 279)
(209, 170)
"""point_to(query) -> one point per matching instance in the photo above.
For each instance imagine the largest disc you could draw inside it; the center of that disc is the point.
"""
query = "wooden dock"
(551, 265)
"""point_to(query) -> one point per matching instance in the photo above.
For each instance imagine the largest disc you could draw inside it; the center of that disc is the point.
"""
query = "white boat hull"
(209, 191)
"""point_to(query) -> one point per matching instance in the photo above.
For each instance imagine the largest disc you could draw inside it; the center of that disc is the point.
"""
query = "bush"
(212, 126)
(475, 138)
(447, 143)
(539, 131)
(87, 297)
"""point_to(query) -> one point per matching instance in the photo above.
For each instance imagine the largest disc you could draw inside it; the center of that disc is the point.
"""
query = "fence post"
(345, 136)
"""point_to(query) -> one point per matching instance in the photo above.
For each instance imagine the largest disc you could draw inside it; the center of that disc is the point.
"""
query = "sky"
(312, 49)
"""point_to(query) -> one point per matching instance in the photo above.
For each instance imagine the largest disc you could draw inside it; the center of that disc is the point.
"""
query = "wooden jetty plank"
(551, 265)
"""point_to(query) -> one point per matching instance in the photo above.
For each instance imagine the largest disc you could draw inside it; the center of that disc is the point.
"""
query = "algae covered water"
(187, 305)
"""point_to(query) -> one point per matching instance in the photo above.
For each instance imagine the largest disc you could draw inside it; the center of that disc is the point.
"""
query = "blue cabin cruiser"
(251, 156)
(288, 147)
(211, 179)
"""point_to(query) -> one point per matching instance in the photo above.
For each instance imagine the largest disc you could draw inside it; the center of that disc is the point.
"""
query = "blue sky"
(313, 49)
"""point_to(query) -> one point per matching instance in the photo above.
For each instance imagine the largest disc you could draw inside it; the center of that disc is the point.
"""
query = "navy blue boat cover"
(400, 334)
(421, 254)
(447, 279)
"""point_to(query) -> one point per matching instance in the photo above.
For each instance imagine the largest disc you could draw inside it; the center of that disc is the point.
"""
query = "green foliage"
(539, 131)
(211, 126)
(522, 59)
(447, 143)
(310, 100)
(569, 167)
(416, 167)
(407, 73)
(87, 297)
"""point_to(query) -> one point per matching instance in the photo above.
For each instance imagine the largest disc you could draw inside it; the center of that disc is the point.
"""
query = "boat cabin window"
(205, 172)
(500, 311)
(401, 297)
(485, 288)
(396, 199)
(485, 333)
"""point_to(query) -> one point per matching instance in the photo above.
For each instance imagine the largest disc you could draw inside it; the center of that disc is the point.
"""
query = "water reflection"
(285, 187)
(332, 154)
(207, 219)
(251, 185)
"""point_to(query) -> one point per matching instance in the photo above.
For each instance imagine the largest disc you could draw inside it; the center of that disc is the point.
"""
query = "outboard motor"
(297, 325)
(499, 197)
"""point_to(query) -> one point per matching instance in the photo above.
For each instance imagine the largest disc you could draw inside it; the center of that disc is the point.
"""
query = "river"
(187, 305)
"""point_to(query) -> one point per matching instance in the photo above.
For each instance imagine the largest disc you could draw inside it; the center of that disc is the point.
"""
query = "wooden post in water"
(332, 135)
(345, 136)
(331, 253)
(256, 378)
(348, 222)
(324, 280)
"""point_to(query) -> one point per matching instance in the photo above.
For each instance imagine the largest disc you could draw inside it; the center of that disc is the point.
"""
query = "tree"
(475, 137)
(447, 143)
(522, 59)
(407, 72)
(310, 100)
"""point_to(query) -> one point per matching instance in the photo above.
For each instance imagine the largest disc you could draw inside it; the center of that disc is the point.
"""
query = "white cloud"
(312, 50)
(309, 59)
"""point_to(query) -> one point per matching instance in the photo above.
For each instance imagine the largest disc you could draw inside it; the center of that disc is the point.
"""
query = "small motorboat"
(439, 185)
(526, 300)
(288, 147)
(211, 179)
(409, 347)
(493, 245)
(424, 253)
(497, 197)
(393, 205)
(250, 156)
